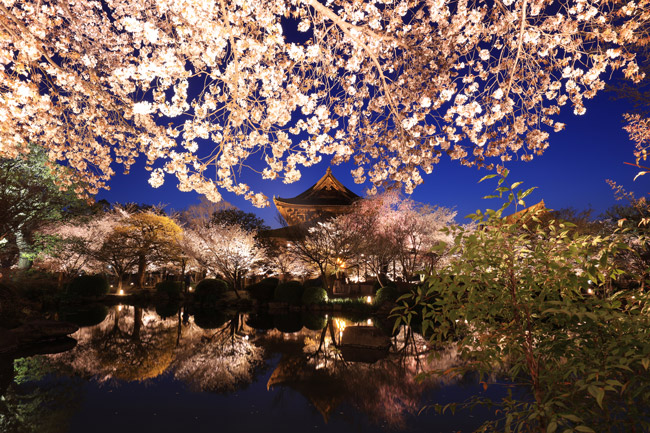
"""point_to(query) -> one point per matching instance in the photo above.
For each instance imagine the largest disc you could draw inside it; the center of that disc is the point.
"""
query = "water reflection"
(229, 351)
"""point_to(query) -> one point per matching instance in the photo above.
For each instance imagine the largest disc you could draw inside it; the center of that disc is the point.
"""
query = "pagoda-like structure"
(328, 197)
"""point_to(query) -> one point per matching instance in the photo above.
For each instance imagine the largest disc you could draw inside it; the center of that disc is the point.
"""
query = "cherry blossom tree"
(202, 89)
(227, 250)
(638, 127)
(327, 245)
(87, 243)
(393, 229)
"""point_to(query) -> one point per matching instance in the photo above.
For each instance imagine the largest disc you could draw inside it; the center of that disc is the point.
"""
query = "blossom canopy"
(201, 89)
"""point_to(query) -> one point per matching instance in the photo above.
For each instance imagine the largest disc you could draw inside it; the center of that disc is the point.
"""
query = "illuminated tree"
(226, 250)
(145, 238)
(638, 128)
(29, 200)
(203, 87)
(326, 245)
(393, 229)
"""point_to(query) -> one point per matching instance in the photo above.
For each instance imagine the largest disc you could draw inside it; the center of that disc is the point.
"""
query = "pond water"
(135, 371)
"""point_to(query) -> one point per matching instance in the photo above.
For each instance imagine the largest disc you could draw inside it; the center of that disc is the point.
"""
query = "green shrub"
(314, 295)
(290, 292)
(210, 291)
(388, 293)
(88, 286)
(171, 289)
(264, 290)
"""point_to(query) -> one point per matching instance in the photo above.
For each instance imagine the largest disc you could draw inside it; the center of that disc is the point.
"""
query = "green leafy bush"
(88, 286)
(171, 289)
(314, 295)
(264, 290)
(538, 303)
(388, 293)
(210, 291)
(290, 292)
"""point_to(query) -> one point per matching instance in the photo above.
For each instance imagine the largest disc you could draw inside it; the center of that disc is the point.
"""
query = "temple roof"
(328, 191)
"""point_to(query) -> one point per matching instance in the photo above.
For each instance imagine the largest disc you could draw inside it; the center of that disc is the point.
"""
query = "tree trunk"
(142, 266)
(25, 252)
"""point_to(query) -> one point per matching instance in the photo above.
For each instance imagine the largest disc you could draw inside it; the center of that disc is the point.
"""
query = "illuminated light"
(121, 292)
(320, 365)
(119, 308)
(633, 297)
(191, 289)
(246, 337)
(131, 283)
(590, 291)
(369, 299)
(369, 322)
(111, 286)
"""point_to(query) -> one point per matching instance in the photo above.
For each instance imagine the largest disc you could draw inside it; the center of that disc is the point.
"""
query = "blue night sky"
(571, 173)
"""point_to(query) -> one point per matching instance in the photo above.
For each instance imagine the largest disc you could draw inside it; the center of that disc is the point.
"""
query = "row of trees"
(383, 235)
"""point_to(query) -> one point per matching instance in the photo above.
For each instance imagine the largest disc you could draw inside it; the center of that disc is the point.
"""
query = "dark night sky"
(571, 173)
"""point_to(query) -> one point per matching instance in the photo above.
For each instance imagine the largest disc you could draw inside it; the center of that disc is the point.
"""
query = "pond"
(134, 370)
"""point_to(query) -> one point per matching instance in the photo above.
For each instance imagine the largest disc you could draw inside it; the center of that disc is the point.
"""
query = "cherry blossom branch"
(346, 27)
(522, 27)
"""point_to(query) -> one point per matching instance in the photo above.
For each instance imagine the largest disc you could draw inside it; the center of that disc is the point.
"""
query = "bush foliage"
(538, 302)
(171, 289)
(314, 295)
(210, 291)
(290, 292)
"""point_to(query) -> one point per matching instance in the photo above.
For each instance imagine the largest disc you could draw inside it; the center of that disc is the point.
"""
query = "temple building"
(328, 197)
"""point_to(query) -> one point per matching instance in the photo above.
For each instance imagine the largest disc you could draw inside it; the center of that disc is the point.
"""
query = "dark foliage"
(290, 292)
(314, 295)
(170, 289)
(210, 291)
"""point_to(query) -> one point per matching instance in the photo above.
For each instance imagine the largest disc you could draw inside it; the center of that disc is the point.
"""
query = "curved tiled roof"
(328, 191)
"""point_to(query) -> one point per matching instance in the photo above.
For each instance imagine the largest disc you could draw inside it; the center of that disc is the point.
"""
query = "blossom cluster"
(201, 89)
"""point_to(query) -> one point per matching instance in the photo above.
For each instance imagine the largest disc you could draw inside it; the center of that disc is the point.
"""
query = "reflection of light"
(369, 299)
(320, 365)
(119, 308)
(121, 292)
(245, 337)
(340, 325)
(369, 322)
